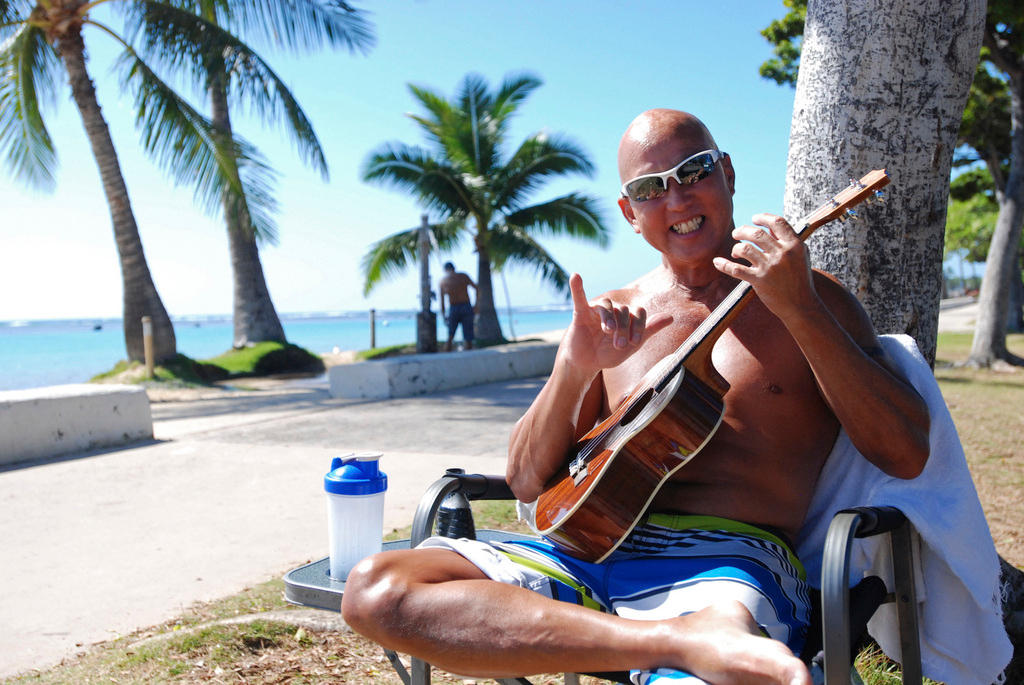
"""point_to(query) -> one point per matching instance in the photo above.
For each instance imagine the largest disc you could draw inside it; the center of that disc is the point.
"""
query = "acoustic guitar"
(613, 472)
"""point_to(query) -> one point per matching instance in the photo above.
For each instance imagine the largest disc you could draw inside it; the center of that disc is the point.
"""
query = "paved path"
(230, 494)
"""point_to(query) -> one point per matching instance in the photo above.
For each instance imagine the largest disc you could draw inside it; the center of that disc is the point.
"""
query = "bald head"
(653, 128)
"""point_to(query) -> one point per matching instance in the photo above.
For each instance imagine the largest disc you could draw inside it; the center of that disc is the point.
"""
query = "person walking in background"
(456, 286)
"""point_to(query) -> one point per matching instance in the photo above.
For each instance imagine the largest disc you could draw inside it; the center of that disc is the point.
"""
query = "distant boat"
(97, 327)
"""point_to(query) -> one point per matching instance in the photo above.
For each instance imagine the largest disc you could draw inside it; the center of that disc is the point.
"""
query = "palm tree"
(41, 38)
(465, 179)
(198, 38)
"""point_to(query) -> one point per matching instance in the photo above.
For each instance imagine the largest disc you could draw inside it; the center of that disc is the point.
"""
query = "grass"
(202, 645)
(261, 359)
(410, 348)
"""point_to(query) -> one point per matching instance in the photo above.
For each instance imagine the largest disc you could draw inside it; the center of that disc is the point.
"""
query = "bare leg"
(437, 606)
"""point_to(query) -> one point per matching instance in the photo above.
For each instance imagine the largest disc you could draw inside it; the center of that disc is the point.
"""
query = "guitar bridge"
(578, 470)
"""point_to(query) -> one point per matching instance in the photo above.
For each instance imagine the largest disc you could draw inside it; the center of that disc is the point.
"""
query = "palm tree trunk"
(488, 328)
(140, 296)
(255, 319)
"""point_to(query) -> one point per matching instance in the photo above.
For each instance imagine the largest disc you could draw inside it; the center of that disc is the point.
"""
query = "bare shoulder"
(846, 309)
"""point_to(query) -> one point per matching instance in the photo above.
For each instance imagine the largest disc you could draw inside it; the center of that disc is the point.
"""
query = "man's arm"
(600, 336)
(886, 419)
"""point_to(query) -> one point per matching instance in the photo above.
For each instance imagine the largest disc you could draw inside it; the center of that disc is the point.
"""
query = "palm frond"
(574, 215)
(515, 88)
(186, 43)
(415, 170)
(435, 104)
(12, 14)
(539, 157)
(184, 143)
(392, 255)
(509, 245)
(28, 61)
(389, 257)
(300, 25)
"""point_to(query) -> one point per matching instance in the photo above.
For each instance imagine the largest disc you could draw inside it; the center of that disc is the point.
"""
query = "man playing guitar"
(709, 572)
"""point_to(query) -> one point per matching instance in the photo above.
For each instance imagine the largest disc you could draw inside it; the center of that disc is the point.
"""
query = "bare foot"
(724, 647)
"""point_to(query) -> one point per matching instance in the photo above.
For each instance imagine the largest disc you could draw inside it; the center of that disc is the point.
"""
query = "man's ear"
(627, 211)
(730, 173)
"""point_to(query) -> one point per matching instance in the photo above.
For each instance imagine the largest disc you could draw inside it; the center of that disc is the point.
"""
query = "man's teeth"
(690, 226)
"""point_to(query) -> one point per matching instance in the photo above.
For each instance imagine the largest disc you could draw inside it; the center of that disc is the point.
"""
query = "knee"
(373, 591)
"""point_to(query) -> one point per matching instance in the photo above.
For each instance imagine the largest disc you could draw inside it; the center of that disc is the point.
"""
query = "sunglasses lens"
(695, 170)
(646, 188)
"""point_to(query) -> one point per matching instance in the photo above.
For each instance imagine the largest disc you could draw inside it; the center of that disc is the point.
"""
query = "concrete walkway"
(228, 495)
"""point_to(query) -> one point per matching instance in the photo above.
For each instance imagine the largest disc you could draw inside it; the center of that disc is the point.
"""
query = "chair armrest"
(473, 485)
(876, 520)
(863, 522)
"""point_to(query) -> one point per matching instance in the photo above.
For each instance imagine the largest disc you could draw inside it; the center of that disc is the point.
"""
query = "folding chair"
(844, 611)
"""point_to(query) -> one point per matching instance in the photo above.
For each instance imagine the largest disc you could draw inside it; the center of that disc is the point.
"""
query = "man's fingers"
(579, 297)
(656, 323)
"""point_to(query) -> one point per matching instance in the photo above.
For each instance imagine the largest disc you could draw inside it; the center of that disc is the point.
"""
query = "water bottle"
(454, 516)
(355, 488)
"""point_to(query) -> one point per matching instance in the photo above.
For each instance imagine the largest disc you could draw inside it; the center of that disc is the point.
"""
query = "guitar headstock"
(842, 203)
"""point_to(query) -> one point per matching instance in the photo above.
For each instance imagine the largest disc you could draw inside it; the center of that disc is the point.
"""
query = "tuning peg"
(854, 183)
(879, 197)
(851, 214)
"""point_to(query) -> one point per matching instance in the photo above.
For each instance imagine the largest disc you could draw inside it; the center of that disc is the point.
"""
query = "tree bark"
(883, 84)
(255, 319)
(1015, 313)
(426, 320)
(486, 324)
(140, 297)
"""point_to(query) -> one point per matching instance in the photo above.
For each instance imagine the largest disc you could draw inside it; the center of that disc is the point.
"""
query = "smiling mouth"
(684, 227)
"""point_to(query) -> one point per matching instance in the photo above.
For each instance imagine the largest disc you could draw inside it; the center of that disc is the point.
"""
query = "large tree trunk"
(989, 345)
(255, 319)
(883, 83)
(140, 297)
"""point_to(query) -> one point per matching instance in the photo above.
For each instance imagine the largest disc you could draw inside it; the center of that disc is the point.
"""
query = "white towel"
(962, 636)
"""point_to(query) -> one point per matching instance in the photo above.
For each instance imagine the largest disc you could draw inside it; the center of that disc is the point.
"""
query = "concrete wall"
(60, 419)
(419, 374)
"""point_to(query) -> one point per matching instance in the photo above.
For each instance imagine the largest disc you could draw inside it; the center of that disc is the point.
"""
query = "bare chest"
(766, 379)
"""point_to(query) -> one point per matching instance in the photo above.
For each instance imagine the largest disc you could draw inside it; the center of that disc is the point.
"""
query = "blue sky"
(602, 62)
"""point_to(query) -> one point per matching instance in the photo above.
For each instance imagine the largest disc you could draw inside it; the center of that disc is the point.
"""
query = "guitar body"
(630, 456)
(617, 469)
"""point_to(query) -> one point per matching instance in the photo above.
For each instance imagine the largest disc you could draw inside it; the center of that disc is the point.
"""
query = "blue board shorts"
(461, 314)
(669, 566)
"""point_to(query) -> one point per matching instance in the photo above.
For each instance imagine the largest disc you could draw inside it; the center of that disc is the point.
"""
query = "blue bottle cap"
(356, 474)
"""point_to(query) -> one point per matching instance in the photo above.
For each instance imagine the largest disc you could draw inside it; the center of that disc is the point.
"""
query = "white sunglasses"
(692, 169)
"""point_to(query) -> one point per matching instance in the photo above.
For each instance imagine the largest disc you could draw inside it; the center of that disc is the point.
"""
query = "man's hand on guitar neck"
(603, 335)
(779, 268)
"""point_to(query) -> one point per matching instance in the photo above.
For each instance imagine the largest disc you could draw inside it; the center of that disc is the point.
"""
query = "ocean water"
(38, 353)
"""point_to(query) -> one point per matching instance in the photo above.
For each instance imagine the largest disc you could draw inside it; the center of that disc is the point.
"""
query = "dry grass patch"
(988, 410)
